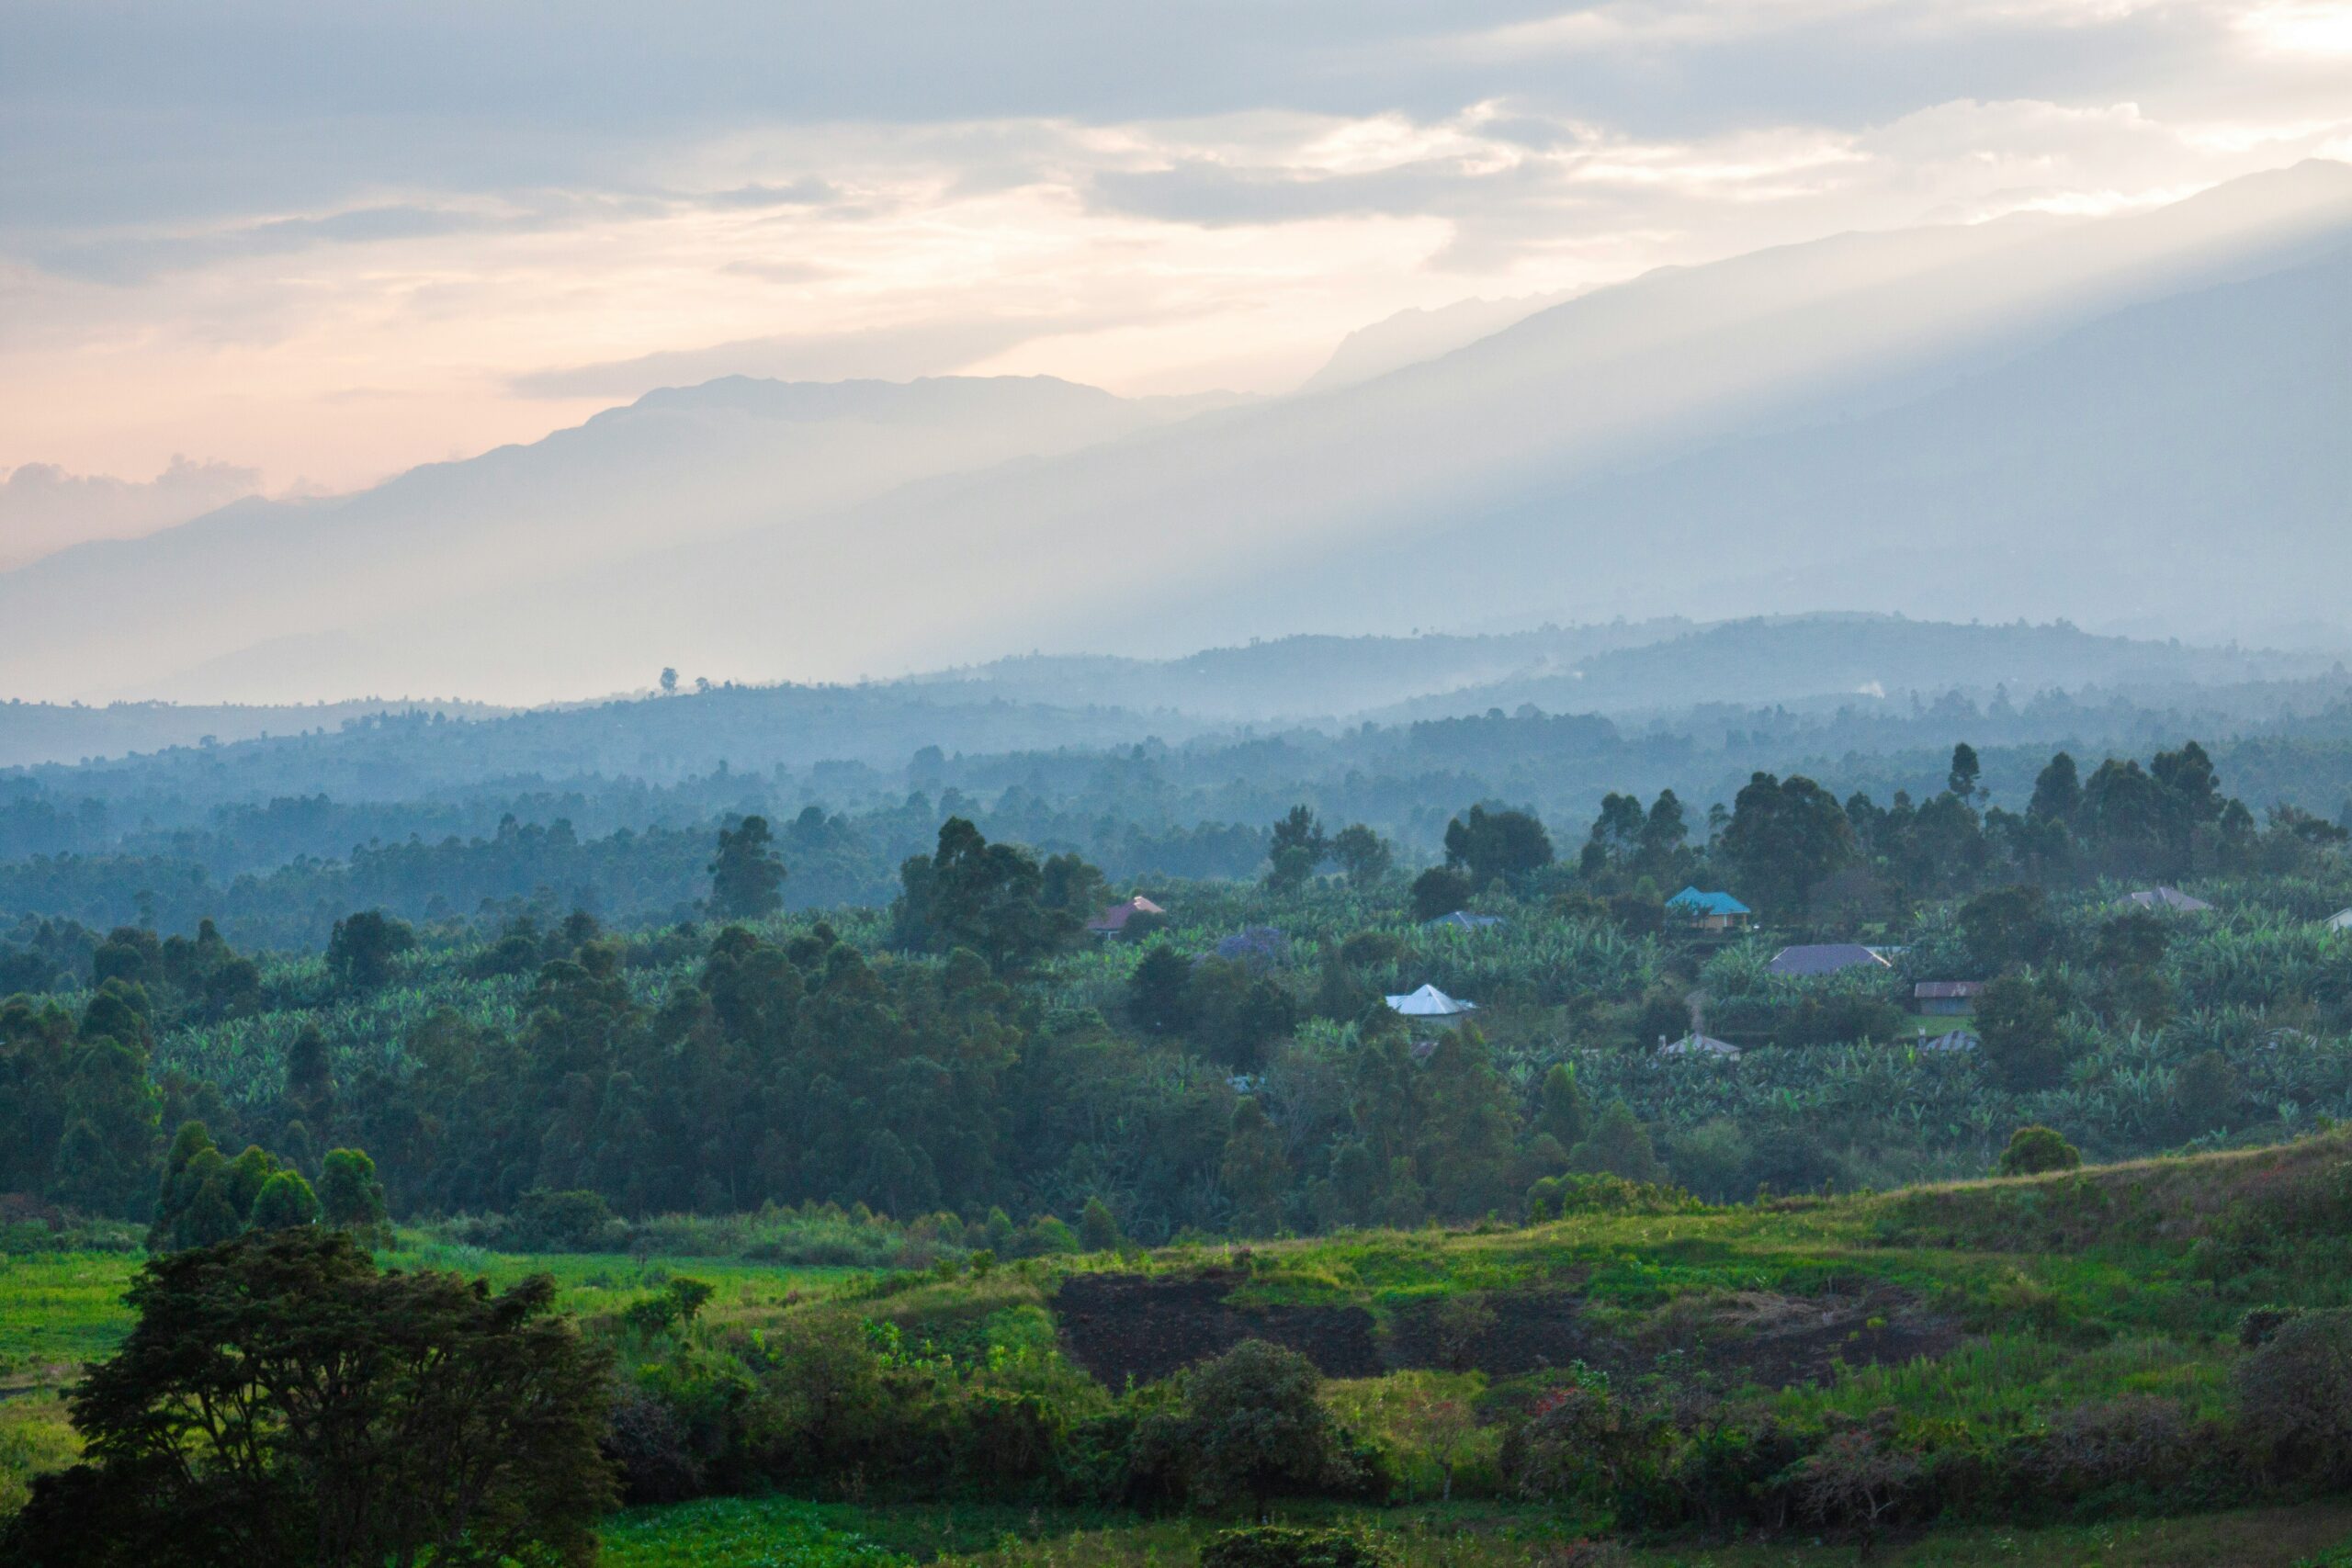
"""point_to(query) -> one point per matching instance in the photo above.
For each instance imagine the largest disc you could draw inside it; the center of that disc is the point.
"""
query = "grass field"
(788, 1533)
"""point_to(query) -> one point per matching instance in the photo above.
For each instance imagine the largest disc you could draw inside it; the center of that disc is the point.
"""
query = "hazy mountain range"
(2132, 422)
(1672, 675)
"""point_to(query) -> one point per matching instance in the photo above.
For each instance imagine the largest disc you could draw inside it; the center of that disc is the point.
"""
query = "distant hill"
(1878, 665)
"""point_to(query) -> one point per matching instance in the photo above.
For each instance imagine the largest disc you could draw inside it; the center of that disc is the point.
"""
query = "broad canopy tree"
(280, 1401)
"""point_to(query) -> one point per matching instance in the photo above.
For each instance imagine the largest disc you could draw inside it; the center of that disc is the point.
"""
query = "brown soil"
(1142, 1326)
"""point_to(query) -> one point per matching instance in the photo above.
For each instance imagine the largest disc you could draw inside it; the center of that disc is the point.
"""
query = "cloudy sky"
(312, 244)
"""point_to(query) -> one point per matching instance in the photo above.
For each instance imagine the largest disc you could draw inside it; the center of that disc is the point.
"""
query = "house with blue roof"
(1710, 911)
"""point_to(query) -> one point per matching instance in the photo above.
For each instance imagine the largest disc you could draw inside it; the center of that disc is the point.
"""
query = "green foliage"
(746, 877)
(2035, 1151)
(1280, 1546)
(364, 949)
(400, 1412)
(1251, 1427)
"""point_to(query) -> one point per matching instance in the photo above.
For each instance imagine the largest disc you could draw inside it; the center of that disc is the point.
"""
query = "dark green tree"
(1966, 771)
(1363, 856)
(284, 1202)
(746, 876)
(280, 1401)
(1785, 839)
(1492, 844)
(363, 949)
(2021, 1027)
(1439, 891)
(351, 1199)
(1159, 992)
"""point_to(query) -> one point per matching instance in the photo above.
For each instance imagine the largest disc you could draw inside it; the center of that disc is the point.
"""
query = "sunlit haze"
(324, 244)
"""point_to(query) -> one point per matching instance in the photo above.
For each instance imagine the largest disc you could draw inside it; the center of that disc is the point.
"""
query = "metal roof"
(1428, 1003)
(1822, 958)
(1708, 903)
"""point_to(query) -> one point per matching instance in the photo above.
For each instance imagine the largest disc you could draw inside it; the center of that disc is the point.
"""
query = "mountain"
(1408, 337)
(1613, 454)
(675, 468)
(1663, 670)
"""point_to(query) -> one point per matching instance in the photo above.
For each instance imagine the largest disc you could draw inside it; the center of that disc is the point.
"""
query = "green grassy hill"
(2000, 1335)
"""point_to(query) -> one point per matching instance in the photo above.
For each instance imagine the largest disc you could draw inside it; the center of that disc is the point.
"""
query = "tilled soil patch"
(1143, 1326)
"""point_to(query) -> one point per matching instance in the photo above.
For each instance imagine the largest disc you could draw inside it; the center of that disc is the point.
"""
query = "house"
(1114, 921)
(2166, 898)
(1825, 958)
(2340, 921)
(1709, 911)
(1463, 920)
(1946, 997)
(1429, 1005)
(1958, 1040)
(1697, 1044)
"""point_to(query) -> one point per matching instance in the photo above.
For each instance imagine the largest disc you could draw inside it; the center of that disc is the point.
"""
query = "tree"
(1252, 1426)
(361, 948)
(1439, 891)
(1966, 770)
(2057, 792)
(284, 1202)
(1159, 992)
(1618, 1145)
(278, 1399)
(1098, 1228)
(1565, 1115)
(1254, 1171)
(2009, 927)
(987, 898)
(1491, 844)
(2020, 1025)
(1363, 856)
(2036, 1150)
(747, 878)
(351, 1199)
(1298, 829)
(669, 682)
(1786, 839)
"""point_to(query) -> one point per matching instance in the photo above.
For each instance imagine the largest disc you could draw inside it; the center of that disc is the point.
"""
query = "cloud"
(43, 509)
(211, 218)
(136, 257)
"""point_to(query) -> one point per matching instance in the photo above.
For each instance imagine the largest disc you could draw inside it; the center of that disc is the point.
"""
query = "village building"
(1709, 911)
(1429, 1005)
(1114, 921)
(2171, 898)
(1825, 958)
(1947, 998)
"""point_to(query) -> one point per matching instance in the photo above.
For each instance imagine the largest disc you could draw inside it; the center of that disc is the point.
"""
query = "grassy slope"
(2050, 1289)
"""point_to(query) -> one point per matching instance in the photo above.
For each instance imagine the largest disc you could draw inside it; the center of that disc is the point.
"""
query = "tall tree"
(1786, 838)
(746, 878)
(1491, 844)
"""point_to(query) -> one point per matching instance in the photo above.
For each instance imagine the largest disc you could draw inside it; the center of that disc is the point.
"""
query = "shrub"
(1861, 1477)
(1275, 1546)
(2036, 1150)
(559, 1221)
(1585, 1445)
(2137, 1441)
(2295, 1393)
(1251, 1427)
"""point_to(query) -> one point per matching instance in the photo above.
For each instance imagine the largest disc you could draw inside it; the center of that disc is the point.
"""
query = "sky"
(274, 246)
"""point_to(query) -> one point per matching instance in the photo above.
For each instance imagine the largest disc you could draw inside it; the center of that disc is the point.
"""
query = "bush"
(1585, 1446)
(559, 1221)
(2036, 1150)
(2294, 1394)
(1251, 1427)
(1274, 1546)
